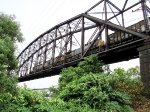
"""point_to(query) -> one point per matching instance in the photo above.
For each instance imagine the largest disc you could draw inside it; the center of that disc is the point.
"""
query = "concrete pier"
(144, 55)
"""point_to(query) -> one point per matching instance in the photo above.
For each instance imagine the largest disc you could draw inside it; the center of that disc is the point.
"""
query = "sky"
(37, 16)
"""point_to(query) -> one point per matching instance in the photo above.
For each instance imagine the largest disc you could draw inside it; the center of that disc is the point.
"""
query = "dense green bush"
(129, 82)
(87, 84)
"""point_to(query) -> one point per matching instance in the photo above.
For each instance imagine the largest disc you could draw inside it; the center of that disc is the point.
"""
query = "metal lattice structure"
(88, 33)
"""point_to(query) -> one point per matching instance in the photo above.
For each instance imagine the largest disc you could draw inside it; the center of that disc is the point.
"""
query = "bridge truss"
(70, 41)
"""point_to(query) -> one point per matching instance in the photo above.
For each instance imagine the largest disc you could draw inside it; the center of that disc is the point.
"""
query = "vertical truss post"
(70, 38)
(38, 55)
(45, 51)
(61, 40)
(30, 51)
(70, 43)
(31, 63)
(144, 9)
(82, 37)
(105, 8)
(122, 16)
(106, 27)
(54, 46)
(66, 42)
(100, 34)
(26, 68)
(107, 38)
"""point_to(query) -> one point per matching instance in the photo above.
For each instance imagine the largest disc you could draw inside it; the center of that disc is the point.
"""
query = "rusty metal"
(144, 9)
(70, 41)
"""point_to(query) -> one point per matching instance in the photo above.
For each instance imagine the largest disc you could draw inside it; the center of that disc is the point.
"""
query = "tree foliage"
(88, 65)
(9, 35)
(9, 28)
(88, 84)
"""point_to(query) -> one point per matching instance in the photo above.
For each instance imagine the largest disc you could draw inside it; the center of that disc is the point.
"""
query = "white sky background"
(37, 16)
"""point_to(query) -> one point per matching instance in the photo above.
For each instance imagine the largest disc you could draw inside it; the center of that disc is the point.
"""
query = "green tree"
(9, 28)
(134, 72)
(87, 84)
(129, 82)
(88, 65)
(9, 35)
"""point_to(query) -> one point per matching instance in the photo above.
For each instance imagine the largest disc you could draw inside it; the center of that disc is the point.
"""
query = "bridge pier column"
(144, 55)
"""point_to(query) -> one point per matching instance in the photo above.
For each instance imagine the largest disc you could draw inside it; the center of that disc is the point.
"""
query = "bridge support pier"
(144, 55)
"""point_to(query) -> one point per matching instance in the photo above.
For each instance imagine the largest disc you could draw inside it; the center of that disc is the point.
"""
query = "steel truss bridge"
(103, 32)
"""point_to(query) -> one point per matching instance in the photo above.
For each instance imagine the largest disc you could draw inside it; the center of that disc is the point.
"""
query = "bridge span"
(69, 42)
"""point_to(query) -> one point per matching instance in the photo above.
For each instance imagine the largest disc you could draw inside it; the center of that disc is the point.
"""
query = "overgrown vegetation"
(85, 88)
(87, 85)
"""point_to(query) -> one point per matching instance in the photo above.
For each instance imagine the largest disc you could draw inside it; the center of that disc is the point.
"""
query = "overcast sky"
(37, 16)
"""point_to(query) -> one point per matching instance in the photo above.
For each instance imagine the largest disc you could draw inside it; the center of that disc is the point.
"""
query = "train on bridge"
(115, 39)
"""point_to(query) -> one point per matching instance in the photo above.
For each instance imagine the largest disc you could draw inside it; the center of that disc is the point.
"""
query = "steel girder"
(74, 34)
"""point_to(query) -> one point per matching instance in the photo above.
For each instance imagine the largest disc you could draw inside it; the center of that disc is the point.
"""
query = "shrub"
(87, 84)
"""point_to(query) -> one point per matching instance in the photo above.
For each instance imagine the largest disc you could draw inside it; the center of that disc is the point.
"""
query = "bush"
(87, 84)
